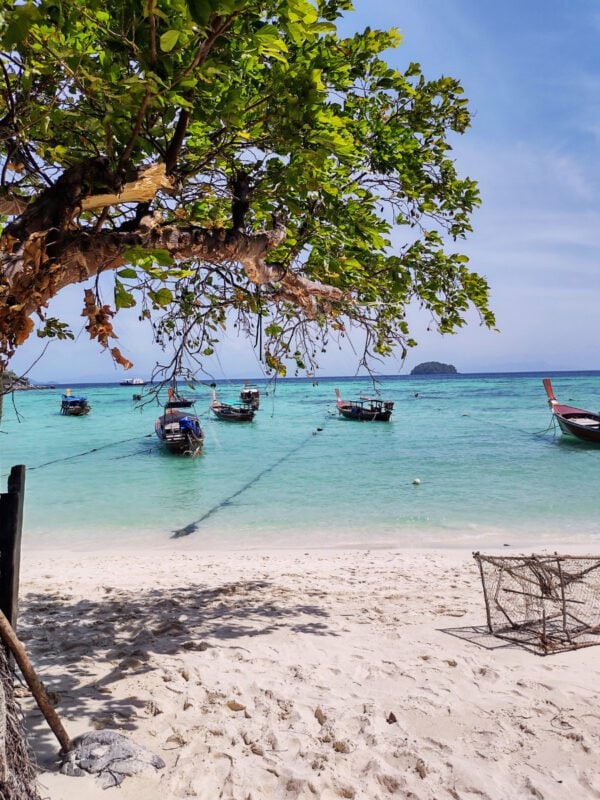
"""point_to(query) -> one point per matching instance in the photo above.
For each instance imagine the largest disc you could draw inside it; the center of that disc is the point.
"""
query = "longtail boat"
(74, 405)
(250, 395)
(178, 428)
(573, 421)
(365, 409)
(231, 412)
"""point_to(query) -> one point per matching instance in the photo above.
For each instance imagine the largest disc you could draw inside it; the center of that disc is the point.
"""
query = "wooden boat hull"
(363, 414)
(75, 411)
(182, 447)
(571, 426)
(229, 413)
(73, 406)
(577, 422)
(364, 410)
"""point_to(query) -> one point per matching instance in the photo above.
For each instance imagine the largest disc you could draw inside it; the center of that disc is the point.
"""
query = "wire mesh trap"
(549, 603)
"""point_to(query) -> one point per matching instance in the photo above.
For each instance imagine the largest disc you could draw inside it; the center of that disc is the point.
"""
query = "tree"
(231, 162)
(17, 771)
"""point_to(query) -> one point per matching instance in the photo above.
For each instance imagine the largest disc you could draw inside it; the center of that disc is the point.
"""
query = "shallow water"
(490, 470)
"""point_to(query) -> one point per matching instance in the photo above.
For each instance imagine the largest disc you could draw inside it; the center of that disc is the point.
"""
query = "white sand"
(291, 674)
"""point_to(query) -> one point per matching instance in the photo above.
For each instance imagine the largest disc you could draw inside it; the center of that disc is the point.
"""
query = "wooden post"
(11, 522)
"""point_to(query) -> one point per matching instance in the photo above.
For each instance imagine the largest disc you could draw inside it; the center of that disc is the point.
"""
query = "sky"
(531, 71)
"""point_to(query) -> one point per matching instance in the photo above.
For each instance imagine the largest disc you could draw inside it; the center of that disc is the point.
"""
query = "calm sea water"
(491, 470)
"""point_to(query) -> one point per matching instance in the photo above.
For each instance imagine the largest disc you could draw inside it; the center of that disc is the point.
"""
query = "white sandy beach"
(303, 674)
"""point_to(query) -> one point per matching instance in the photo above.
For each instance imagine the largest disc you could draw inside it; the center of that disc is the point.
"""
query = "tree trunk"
(17, 771)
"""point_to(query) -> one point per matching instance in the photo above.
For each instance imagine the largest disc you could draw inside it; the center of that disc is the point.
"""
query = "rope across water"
(193, 526)
(87, 452)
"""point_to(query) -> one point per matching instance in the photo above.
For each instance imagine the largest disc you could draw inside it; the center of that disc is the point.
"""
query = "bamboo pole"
(9, 637)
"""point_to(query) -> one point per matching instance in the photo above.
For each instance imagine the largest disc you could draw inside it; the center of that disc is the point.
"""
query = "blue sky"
(531, 71)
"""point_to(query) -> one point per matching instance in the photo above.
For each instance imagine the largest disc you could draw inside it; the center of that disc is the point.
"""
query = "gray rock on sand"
(109, 755)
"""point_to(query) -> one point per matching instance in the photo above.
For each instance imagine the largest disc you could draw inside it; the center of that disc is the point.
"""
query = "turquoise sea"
(491, 470)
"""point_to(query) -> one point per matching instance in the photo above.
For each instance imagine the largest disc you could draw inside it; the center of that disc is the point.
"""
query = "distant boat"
(74, 405)
(236, 412)
(365, 409)
(573, 421)
(250, 395)
(178, 428)
(134, 382)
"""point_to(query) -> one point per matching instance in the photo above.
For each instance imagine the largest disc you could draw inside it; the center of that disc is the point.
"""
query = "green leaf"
(162, 297)
(20, 20)
(200, 10)
(127, 272)
(123, 298)
(162, 257)
(168, 40)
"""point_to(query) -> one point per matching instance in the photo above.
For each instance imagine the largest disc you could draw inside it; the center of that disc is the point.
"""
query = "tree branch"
(240, 202)
(139, 191)
(30, 276)
(125, 155)
(176, 143)
(152, 23)
(218, 28)
(56, 205)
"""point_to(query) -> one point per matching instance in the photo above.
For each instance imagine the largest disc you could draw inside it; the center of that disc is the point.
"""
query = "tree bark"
(17, 772)
(33, 271)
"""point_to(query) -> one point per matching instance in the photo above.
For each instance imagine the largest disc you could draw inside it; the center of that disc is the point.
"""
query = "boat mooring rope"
(488, 422)
(192, 527)
(86, 453)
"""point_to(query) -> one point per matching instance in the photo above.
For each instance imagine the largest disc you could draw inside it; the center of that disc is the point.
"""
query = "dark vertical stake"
(563, 602)
(11, 522)
(477, 558)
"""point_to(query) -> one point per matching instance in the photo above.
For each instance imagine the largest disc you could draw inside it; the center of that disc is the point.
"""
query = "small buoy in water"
(416, 481)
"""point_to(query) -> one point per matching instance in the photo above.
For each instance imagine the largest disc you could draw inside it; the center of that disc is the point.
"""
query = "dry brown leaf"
(120, 359)
(24, 330)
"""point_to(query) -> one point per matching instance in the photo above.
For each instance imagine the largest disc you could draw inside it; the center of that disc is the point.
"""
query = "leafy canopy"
(261, 112)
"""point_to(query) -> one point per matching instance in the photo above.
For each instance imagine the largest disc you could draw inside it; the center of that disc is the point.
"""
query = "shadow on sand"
(480, 636)
(126, 633)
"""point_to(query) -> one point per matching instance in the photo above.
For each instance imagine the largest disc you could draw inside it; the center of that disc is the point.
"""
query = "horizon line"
(316, 378)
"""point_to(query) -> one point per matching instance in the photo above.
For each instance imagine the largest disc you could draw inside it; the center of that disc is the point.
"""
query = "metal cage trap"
(549, 603)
